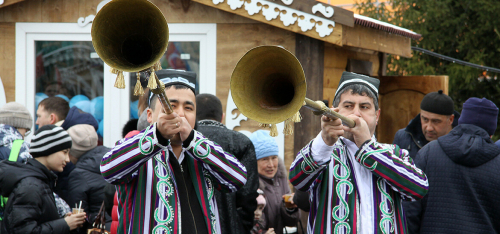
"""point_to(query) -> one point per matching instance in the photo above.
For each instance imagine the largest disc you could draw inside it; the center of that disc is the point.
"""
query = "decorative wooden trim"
(4, 3)
(323, 10)
(289, 19)
(233, 120)
(83, 21)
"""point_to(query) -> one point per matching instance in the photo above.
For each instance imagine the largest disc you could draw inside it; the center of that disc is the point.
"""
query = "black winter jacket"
(462, 169)
(236, 210)
(86, 184)
(31, 207)
(412, 138)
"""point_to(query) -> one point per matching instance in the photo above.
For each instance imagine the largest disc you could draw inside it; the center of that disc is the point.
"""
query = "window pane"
(68, 70)
(179, 55)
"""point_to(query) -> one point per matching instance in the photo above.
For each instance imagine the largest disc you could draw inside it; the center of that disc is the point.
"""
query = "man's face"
(183, 102)
(435, 125)
(43, 117)
(361, 106)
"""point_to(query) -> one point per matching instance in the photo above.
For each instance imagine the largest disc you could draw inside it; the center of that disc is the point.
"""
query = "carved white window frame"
(116, 101)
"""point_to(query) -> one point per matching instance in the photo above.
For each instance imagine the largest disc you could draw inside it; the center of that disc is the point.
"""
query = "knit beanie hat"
(480, 112)
(49, 139)
(264, 144)
(84, 138)
(437, 103)
(15, 115)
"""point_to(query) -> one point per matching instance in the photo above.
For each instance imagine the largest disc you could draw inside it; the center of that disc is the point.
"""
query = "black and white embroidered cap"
(49, 139)
(349, 78)
(176, 77)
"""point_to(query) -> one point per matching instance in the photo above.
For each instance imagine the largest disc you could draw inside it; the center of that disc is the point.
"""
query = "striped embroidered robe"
(146, 187)
(334, 196)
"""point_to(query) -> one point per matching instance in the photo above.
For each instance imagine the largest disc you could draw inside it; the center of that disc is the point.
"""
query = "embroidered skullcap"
(49, 139)
(176, 77)
(349, 78)
(264, 144)
(437, 103)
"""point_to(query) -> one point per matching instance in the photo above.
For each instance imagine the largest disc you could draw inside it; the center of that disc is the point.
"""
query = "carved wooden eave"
(4, 3)
(283, 15)
(324, 22)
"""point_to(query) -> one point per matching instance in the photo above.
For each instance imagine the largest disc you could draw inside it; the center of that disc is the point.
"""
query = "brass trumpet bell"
(268, 84)
(130, 35)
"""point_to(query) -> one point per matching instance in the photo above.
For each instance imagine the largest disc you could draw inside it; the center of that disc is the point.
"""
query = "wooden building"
(327, 40)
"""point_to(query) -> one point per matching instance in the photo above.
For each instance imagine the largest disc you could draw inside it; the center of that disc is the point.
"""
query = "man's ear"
(378, 116)
(452, 117)
(150, 115)
(223, 117)
(53, 118)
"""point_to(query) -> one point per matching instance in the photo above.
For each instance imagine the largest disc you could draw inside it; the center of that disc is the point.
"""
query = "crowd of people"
(186, 172)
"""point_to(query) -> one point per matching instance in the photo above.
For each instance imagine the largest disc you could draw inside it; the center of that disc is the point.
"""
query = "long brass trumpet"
(132, 36)
(268, 85)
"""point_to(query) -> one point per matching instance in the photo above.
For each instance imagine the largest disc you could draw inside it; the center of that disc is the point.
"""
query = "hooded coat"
(8, 135)
(31, 207)
(412, 138)
(463, 187)
(85, 183)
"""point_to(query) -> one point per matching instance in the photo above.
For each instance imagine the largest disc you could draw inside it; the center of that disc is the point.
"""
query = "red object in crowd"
(114, 215)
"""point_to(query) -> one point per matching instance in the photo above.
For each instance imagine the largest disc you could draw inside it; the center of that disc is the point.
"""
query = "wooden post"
(310, 53)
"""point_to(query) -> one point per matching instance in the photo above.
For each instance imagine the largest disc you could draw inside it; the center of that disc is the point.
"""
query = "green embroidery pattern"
(149, 140)
(341, 181)
(210, 191)
(387, 214)
(195, 150)
(165, 189)
(307, 161)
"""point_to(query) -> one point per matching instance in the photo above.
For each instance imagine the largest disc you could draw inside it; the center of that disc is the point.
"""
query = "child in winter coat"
(31, 207)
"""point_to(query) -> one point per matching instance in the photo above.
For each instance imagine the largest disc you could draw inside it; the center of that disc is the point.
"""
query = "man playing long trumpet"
(355, 183)
(170, 168)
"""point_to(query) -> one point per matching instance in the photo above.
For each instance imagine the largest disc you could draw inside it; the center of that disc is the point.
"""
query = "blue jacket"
(412, 138)
(462, 169)
(7, 135)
